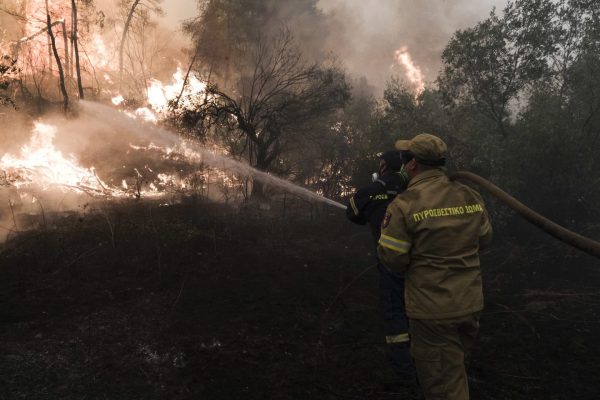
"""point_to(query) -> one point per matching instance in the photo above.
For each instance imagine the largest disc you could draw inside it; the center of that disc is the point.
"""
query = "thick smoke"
(119, 149)
(363, 34)
(366, 33)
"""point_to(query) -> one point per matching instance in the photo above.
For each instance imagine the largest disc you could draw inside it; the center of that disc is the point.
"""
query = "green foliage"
(518, 102)
(490, 65)
(532, 74)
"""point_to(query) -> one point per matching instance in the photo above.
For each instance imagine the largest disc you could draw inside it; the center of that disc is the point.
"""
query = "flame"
(145, 113)
(103, 56)
(159, 95)
(41, 164)
(412, 71)
(117, 100)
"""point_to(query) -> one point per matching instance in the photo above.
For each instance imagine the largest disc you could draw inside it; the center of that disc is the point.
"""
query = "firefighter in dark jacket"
(368, 205)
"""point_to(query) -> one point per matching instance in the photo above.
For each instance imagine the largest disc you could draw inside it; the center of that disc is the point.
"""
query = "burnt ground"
(196, 301)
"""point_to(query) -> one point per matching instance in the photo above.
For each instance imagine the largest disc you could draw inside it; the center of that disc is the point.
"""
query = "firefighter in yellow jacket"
(433, 232)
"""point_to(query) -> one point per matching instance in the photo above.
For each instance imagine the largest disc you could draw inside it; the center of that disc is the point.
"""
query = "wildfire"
(35, 27)
(102, 55)
(117, 100)
(41, 164)
(160, 96)
(412, 71)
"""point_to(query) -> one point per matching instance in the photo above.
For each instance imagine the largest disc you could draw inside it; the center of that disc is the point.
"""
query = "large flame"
(412, 71)
(160, 96)
(40, 164)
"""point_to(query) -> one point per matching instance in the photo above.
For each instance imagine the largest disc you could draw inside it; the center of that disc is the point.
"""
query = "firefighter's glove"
(376, 178)
(384, 179)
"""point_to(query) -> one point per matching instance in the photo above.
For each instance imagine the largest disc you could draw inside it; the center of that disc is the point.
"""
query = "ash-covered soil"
(197, 301)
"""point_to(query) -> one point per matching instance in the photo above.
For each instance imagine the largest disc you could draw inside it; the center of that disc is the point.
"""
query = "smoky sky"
(364, 34)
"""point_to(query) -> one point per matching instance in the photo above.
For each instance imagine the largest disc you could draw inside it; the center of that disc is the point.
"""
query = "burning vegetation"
(146, 175)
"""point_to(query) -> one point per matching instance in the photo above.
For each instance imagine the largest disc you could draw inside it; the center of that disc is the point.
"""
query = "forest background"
(258, 293)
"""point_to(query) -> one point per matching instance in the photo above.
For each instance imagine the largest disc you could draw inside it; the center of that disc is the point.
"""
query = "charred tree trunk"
(67, 58)
(123, 37)
(61, 74)
(75, 40)
(49, 43)
(262, 163)
(263, 159)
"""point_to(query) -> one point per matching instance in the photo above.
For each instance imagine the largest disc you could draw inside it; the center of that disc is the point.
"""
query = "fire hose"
(576, 240)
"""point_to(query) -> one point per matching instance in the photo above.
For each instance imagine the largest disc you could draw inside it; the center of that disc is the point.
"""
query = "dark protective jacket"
(369, 203)
(434, 231)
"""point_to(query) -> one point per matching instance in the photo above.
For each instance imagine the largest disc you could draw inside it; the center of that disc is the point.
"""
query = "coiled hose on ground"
(583, 243)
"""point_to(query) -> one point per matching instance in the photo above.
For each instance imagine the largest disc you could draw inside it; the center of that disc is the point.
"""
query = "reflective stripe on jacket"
(369, 203)
(432, 231)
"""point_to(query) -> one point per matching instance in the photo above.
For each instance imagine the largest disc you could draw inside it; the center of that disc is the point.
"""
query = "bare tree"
(29, 57)
(280, 100)
(133, 10)
(75, 44)
(61, 74)
(278, 97)
(124, 36)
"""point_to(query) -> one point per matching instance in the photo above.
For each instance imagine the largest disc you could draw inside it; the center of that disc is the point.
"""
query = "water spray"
(193, 151)
(580, 242)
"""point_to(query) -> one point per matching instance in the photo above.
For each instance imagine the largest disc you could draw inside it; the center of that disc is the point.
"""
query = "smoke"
(368, 36)
(193, 153)
(367, 33)
(154, 47)
(105, 155)
(363, 34)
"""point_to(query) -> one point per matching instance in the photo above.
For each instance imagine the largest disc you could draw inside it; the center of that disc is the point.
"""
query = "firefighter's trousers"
(391, 288)
(441, 351)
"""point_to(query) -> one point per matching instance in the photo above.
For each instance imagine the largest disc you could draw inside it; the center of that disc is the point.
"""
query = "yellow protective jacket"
(433, 231)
